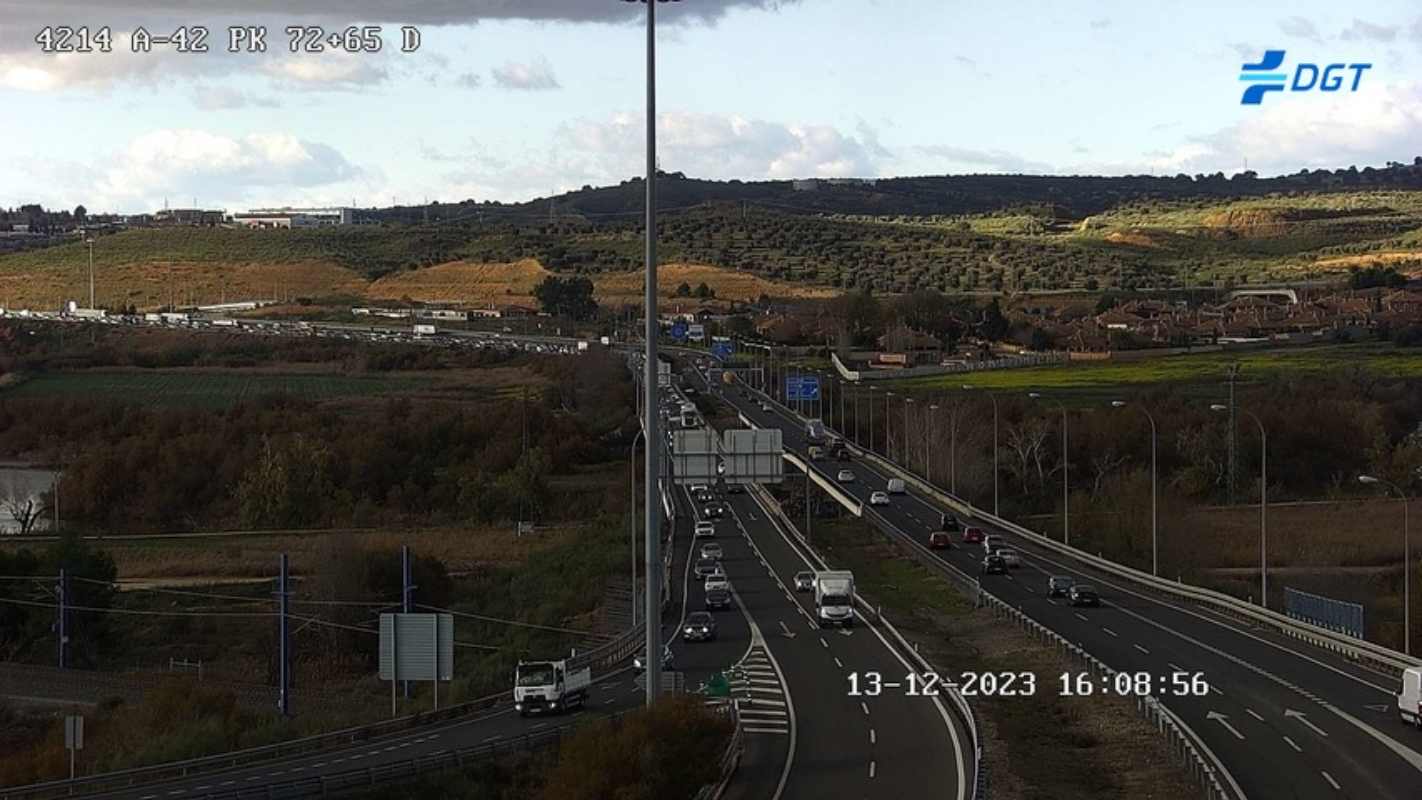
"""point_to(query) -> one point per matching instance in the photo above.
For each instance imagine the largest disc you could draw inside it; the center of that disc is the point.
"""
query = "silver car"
(804, 581)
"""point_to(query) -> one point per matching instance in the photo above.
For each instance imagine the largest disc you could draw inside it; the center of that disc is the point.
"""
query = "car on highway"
(972, 535)
(1084, 595)
(804, 581)
(704, 566)
(704, 496)
(994, 565)
(700, 627)
(990, 542)
(765, 407)
(1010, 556)
(639, 662)
(939, 540)
(878, 499)
(845, 476)
(896, 486)
(698, 488)
(713, 510)
(705, 528)
(948, 522)
(735, 488)
(718, 599)
(711, 550)
(717, 580)
(1060, 585)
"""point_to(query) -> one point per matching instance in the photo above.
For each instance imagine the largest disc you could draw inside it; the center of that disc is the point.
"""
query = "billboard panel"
(422, 643)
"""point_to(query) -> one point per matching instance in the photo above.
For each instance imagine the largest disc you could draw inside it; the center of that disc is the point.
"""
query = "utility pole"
(61, 591)
(1232, 373)
(407, 591)
(284, 645)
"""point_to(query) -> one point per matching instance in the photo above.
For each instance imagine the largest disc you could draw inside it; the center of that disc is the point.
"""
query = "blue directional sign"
(802, 387)
(722, 350)
(678, 331)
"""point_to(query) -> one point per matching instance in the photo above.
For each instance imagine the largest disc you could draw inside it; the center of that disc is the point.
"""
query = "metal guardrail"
(730, 760)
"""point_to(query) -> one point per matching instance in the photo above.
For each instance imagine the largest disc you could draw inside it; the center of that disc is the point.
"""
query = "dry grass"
(151, 285)
(1393, 257)
(463, 282)
(728, 284)
(1344, 534)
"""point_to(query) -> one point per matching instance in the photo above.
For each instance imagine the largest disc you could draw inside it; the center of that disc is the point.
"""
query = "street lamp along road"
(968, 388)
(1406, 561)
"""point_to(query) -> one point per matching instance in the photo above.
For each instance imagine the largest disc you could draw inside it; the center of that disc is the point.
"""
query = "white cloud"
(534, 75)
(977, 160)
(1376, 124)
(468, 80)
(218, 98)
(1100, 23)
(331, 69)
(216, 169)
(1300, 28)
(1362, 30)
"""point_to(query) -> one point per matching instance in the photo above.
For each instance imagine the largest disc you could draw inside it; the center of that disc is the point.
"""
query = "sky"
(514, 99)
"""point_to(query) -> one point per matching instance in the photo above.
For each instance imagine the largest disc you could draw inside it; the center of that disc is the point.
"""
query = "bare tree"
(22, 506)
(1103, 464)
(1027, 441)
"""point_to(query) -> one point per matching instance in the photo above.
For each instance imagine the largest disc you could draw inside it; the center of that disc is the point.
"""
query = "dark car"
(994, 565)
(735, 488)
(700, 627)
(705, 496)
(972, 535)
(718, 599)
(1059, 585)
(713, 511)
(639, 662)
(1083, 595)
(705, 566)
(950, 523)
(938, 540)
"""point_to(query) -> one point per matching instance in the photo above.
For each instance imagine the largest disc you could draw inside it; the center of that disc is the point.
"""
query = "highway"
(1287, 719)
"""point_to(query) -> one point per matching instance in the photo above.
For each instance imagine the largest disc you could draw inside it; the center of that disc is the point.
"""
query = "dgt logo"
(1306, 76)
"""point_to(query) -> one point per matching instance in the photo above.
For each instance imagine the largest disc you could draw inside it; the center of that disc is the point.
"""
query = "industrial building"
(294, 217)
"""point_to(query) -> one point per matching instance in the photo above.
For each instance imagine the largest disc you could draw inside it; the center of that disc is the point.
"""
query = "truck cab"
(834, 598)
(1409, 700)
(549, 686)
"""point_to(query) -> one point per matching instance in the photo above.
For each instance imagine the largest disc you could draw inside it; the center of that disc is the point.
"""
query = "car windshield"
(835, 600)
(535, 675)
(1086, 590)
(699, 618)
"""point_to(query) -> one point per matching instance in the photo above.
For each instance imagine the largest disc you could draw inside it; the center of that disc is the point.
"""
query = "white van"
(1409, 703)
(896, 486)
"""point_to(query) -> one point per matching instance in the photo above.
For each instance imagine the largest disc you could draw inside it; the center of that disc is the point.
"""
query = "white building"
(287, 217)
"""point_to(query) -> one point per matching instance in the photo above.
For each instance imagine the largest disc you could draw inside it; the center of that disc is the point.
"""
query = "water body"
(22, 482)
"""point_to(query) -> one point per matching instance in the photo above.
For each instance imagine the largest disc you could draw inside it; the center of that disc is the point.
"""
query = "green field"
(1094, 380)
(205, 389)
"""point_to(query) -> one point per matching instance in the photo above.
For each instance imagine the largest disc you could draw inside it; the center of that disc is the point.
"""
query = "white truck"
(834, 598)
(605, 341)
(425, 330)
(583, 345)
(549, 686)
(815, 431)
(1409, 700)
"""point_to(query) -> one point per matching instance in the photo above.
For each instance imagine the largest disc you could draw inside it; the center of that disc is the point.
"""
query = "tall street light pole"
(907, 452)
(993, 398)
(927, 463)
(872, 390)
(887, 438)
(1154, 517)
(89, 240)
(632, 522)
(1406, 561)
(1066, 485)
(649, 427)
(1263, 499)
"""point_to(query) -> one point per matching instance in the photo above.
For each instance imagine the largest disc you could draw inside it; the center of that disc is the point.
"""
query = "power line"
(138, 612)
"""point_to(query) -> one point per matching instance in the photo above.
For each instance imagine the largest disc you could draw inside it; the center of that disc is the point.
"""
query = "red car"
(938, 540)
(972, 535)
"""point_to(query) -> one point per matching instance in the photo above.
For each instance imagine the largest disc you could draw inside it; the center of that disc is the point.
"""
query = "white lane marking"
(1297, 749)
(1110, 632)
(1331, 782)
(1301, 717)
(781, 731)
(1223, 720)
(823, 642)
(1175, 666)
(838, 663)
(865, 707)
(1142, 649)
(871, 769)
(873, 738)
(1079, 616)
(1251, 713)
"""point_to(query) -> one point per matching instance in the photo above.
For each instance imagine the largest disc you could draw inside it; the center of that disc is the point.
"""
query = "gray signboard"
(414, 646)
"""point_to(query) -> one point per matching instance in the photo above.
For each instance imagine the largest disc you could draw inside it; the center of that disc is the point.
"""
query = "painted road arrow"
(1381, 708)
(1223, 720)
(788, 634)
(1299, 715)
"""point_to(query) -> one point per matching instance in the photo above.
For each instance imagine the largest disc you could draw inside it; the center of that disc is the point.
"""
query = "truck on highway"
(834, 598)
(1409, 701)
(815, 431)
(549, 686)
(425, 330)
(605, 341)
(583, 345)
